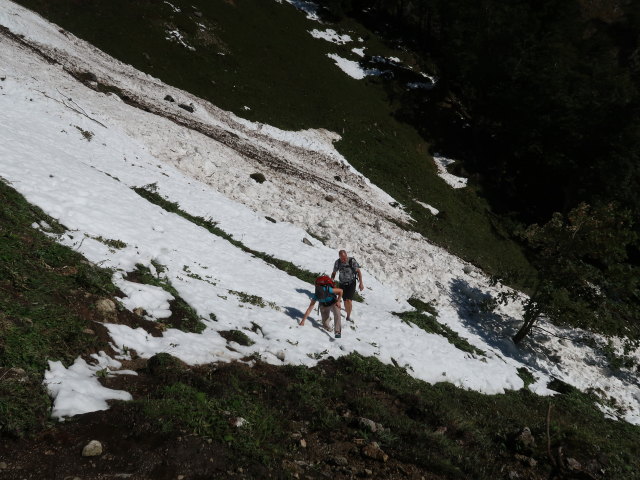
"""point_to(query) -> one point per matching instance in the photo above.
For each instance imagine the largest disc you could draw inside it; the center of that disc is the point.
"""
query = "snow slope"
(76, 152)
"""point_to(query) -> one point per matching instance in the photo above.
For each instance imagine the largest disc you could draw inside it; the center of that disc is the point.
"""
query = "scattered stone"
(92, 449)
(573, 464)
(368, 472)
(197, 13)
(258, 177)
(188, 108)
(90, 77)
(370, 424)
(180, 477)
(467, 269)
(306, 241)
(330, 198)
(3, 465)
(88, 331)
(532, 462)
(441, 430)
(337, 178)
(374, 451)
(272, 220)
(339, 461)
(139, 311)
(303, 443)
(238, 422)
(169, 98)
(359, 441)
(280, 355)
(526, 439)
(106, 307)
(513, 475)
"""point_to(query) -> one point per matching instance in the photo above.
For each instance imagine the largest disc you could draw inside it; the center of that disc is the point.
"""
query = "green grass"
(43, 287)
(439, 428)
(259, 54)
(39, 279)
(425, 317)
(184, 316)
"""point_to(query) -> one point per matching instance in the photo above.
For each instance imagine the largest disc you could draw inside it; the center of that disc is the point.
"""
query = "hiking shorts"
(348, 290)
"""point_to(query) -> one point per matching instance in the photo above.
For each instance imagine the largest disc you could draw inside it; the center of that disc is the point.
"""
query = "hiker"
(329, 299)
(349, 273)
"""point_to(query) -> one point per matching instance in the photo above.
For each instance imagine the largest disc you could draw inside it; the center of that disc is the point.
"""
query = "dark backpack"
(322, 290)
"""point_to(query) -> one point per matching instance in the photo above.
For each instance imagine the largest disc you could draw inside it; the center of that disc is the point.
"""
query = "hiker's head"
(343, 255)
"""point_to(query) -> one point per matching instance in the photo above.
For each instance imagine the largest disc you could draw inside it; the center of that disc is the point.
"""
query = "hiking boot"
(338, 335)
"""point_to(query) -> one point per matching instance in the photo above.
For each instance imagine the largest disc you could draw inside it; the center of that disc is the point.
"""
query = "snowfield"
(76, 153)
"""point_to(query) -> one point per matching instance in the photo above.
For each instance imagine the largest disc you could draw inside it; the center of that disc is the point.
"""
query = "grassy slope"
(44, 294)
(259, 54)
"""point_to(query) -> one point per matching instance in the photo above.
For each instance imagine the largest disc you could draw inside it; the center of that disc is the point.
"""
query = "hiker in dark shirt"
(349, 274)
(330, 299)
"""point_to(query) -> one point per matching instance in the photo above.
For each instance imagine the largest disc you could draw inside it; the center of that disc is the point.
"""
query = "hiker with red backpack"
(329, 297)
(349, 274)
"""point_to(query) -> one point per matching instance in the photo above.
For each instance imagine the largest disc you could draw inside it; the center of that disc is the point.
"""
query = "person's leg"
(337, 324)
(348, 292)
(326, 319)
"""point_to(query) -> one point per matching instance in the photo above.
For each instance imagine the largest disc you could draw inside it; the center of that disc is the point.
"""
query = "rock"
(88, 331)
(92, 449)
(374, 451)
(188, 108)
(238, 422)
(339, 461)
(467, 269)
(106, 307)
(280, 355)
(370, 424)
(441, 430)
(513, 475)
(306, 241)
(139, 311)
(532, 462)
(169, 98)
(330, 198)
(573, 464)
(368, 472)
(303, 443)
(258, 177)
(526, 439)
(3, 466)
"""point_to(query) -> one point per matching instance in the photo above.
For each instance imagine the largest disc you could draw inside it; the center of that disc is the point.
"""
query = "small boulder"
(525, 439)
(106, 307)
(169, 98)
(374, 451)
(573, 464)
(189, 108)
(92, 449)
(368, 424)
(306, 241)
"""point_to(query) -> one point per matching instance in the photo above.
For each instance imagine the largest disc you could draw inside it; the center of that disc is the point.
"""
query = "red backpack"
(323, 295)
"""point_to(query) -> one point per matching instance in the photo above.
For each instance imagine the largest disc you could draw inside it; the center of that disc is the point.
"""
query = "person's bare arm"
(306, 314)
(360, 278)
